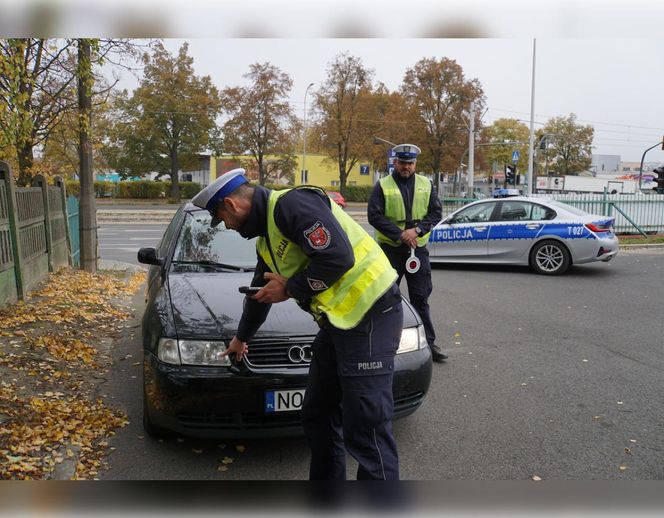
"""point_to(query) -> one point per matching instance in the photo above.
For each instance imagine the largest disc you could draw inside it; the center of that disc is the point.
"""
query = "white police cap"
(406, 152)
(218, 190)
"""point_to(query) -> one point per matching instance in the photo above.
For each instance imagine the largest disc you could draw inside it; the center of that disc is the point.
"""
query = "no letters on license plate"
(283, 400)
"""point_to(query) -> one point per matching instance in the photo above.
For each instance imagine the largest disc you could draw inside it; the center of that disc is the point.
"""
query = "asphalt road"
(554, 377)
(121, 241)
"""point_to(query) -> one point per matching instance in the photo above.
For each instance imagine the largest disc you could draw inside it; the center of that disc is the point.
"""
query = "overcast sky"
(615, 85)
(599, 59)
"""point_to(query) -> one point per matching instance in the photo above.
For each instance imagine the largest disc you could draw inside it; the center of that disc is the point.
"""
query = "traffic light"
(660, 179)
(510, 174)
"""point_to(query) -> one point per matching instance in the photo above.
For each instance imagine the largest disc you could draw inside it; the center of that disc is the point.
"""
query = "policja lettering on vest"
(311, 250)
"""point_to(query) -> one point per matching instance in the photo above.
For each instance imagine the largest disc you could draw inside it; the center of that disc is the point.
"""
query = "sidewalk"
(131, 211)
(55, 351)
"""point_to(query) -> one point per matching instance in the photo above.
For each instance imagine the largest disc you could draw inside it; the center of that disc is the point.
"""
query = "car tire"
(550, 258)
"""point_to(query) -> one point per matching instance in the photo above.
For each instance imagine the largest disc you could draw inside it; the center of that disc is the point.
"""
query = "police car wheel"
(550, 258)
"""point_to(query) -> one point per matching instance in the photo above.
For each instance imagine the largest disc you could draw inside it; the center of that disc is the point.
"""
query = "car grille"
(239, 421)
(267, 353)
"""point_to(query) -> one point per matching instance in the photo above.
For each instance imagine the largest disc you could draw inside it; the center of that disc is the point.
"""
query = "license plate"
(283, 400)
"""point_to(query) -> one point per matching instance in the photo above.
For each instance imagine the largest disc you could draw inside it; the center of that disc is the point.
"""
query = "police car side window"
(541, 213)
(514, 211)
(475, 214)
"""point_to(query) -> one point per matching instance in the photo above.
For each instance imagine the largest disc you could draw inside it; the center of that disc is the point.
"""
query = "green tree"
(261, 121)
(343, 121)
(167, 121)
(504, 131)
(437, 94)
(569, 145)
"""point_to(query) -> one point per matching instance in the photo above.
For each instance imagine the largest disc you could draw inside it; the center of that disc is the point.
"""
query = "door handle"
(532, 226)
(481, 228)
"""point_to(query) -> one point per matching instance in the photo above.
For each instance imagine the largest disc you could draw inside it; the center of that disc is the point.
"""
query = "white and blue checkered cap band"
(219, 189)
(406, 152)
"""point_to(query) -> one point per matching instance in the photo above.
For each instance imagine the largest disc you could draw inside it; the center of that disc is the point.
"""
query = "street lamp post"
(378, 140)
(304, 134)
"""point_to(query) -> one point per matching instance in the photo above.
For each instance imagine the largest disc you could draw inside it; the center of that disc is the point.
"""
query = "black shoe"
(437, 355)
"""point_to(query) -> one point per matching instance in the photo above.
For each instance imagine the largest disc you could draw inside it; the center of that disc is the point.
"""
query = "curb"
(650, 246)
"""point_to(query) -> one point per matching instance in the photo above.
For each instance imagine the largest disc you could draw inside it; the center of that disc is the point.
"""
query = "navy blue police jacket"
(297, 212)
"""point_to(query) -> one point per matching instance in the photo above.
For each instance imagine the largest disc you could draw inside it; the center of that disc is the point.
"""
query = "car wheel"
(150, 428)
(550, 258)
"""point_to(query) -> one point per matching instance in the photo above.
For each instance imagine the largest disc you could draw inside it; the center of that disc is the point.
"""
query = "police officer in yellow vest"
(403, 208)
(309, 249)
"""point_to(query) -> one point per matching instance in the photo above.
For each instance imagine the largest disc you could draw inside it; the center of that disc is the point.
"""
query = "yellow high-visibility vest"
(395, 210)
(347, 301)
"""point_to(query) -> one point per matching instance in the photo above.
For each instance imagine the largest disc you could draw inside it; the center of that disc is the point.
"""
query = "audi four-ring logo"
(300, 354)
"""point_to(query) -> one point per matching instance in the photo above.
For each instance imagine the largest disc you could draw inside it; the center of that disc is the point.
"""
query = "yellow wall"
(321, 171)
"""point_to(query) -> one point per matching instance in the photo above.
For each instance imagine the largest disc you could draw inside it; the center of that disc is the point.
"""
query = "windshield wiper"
(215, 264)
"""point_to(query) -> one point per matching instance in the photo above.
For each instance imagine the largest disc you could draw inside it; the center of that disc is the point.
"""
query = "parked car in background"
(548, 235)
(338, 198)
(193, 309)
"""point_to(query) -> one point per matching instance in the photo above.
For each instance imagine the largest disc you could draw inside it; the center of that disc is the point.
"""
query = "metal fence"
(75, 238)
(34, 234)
(633, 213)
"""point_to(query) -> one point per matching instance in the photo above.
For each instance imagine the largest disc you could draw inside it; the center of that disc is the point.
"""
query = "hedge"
(353, 192)
(136, 189)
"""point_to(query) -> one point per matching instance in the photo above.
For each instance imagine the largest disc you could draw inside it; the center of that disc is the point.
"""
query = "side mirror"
(148, 255)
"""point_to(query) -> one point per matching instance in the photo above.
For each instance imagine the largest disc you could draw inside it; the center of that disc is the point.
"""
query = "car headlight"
(193, 352)
(412, 339)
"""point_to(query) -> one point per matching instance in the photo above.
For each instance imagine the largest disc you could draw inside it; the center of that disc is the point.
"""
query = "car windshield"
(198, 243)
(568, 208)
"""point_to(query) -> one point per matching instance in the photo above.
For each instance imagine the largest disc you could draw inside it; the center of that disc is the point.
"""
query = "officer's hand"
(237, 347)
(409, 237)
(274, 291)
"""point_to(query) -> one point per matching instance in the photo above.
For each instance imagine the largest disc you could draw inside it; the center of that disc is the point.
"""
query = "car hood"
(209, 305)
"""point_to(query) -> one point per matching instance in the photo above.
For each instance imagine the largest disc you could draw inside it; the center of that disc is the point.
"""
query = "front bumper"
(213, 402)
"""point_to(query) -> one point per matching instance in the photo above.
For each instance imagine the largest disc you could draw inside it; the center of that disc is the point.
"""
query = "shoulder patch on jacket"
(318, 236)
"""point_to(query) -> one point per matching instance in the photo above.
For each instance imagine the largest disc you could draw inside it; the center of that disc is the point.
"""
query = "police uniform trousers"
(419, 283)
(348, 403)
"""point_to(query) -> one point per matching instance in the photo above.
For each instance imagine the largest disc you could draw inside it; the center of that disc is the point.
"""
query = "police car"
(548, 235)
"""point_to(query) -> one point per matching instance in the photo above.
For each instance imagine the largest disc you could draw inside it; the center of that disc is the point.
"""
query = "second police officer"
(403, 208)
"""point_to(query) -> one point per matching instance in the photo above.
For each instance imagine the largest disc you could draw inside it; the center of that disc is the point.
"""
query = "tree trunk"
(87, 209)
(25, 162)
(175, 177)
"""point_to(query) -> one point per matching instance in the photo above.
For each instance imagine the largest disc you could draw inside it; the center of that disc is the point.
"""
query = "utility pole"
(529, 176)
(471, 149)
(304, 137)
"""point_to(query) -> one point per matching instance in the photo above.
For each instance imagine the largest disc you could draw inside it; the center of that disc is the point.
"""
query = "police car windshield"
(568, 208)
(198, 243)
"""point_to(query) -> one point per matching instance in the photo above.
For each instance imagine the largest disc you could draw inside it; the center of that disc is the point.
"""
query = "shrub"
(104, 189)
(141, 189)
(187, 189)
(73, 187)
(357, 192)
